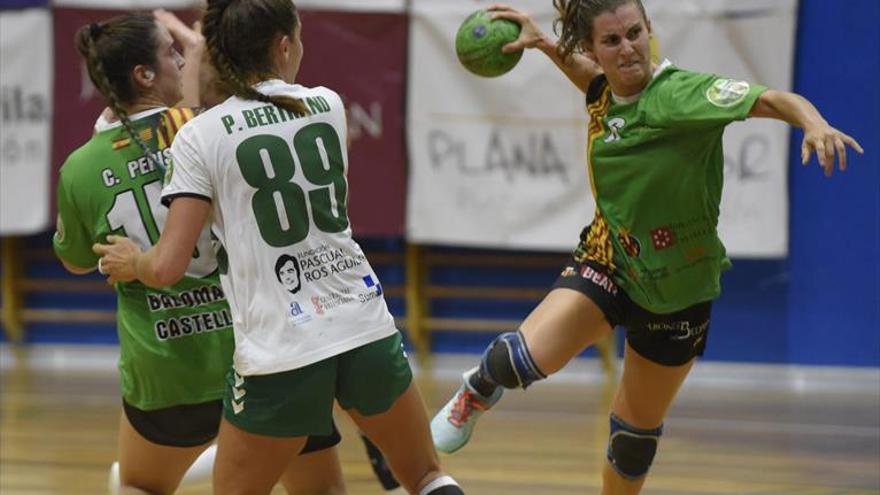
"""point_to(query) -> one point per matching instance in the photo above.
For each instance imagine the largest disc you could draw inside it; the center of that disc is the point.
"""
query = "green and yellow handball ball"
(479, 41)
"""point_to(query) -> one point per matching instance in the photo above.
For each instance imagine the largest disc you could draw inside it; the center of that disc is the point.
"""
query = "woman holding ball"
(650, 261)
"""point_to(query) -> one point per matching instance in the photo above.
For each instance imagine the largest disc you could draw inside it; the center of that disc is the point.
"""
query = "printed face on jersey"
(621, 46)
(288, 272)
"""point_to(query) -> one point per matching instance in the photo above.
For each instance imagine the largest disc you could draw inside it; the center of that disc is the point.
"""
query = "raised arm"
(165, 263)
(819, 136)
(579, 69)
(192, 43)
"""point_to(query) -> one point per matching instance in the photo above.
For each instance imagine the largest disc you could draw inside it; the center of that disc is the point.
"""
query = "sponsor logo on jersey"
(326, 303)
(185, 326)
(615, 127)
(375, 293)
(696, 254)
(727, 92)
(327, 261)
(191, 298)
(662, 238)
(295, 309)
(298, 315)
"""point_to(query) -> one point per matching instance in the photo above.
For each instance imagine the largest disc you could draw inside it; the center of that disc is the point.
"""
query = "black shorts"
(191, 425)
(187, 425)
(670, 339)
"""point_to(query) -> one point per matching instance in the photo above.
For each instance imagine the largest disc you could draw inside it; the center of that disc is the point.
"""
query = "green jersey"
(656, 168)
(176, 343)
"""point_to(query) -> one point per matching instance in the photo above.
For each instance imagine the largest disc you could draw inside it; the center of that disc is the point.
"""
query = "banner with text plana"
(501, 162)
(26, 82)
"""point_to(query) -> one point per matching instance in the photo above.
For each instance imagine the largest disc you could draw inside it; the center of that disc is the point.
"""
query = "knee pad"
(631, 450)
(507, 362)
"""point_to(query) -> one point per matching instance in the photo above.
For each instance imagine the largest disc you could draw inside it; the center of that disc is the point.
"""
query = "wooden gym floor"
(735, 429)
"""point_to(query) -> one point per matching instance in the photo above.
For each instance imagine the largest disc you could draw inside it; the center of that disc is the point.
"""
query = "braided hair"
(575, 18)
(111, 49)
(238, 34)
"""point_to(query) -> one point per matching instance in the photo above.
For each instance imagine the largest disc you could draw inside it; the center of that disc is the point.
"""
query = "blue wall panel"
(833, 307)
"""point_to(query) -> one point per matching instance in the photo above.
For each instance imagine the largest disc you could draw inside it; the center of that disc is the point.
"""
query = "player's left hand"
(826, 142)
(530, 35)
(118, 258)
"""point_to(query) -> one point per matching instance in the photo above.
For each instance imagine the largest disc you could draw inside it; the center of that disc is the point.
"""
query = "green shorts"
(299, 402)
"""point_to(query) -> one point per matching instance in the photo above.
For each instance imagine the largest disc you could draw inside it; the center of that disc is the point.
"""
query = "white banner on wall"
(493, 162)
(25, 113)
(751, 40)
(501, 162)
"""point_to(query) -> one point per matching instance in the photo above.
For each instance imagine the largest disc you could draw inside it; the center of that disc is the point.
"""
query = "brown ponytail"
(111, 50)
(238, 34)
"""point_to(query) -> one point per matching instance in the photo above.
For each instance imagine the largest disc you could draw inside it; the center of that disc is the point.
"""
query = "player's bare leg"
(643, 397)
(149, 468)
(403, 435)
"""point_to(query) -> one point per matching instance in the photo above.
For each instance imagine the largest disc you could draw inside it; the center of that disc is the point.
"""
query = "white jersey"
(299, 287)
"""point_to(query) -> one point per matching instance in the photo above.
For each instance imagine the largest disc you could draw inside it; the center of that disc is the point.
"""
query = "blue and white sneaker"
(452, 426)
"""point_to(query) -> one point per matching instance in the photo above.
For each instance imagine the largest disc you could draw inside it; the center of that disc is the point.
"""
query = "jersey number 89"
(319, 153)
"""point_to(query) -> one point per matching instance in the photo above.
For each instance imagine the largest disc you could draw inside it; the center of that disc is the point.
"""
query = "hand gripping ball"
(479, 41)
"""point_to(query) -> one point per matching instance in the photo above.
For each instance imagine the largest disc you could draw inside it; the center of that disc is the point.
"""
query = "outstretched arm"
(579, 69)
(166, 262)
(819, 136)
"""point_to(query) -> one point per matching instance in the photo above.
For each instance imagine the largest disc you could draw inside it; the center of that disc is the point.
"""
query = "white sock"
(202, 469)
(113, 479)
(437, 483)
